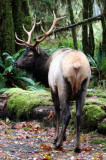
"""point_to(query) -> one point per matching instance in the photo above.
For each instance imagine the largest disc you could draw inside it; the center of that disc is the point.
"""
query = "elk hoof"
(57, 146)
(77, 150)
(64, 138)
(55, 140)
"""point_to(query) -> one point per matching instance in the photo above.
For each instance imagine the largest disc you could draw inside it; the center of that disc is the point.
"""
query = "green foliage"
(98, 141)
(97, 92)
(65, 43)
(10, 77)
(54, 45)
(42, 8)
(98, 64)
(101, 128)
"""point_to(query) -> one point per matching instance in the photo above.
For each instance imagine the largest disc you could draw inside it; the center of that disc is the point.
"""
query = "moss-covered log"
(21, 103)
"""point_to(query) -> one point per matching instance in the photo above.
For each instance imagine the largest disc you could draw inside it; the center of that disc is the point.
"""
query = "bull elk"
(66, 72)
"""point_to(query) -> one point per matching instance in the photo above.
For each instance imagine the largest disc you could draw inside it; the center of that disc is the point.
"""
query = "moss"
(101, 128)
(92, 115)
(23, 102)
(101, 101)
(98, 141)
(97, 92)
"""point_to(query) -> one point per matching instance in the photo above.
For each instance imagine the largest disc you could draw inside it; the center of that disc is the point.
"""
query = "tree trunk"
(7, 39)
(85, 29)
(91, 35)
(21, 16)
(104, 28)
(12, 15)
(72, 22)
(102, 6)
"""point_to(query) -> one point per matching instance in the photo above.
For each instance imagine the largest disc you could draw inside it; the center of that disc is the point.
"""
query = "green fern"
(2, 81)
(10, 77)
(98, 63)
(1, 63)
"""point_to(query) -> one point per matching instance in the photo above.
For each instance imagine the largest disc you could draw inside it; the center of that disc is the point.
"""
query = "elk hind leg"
(64, 98)
(57, 113)
(80, 99)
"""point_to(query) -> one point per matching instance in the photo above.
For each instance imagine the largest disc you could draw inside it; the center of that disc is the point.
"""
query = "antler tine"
(21, 44)
(43, 30)
(50, 30)
(19, 38)
(39, 22)
(30, 32)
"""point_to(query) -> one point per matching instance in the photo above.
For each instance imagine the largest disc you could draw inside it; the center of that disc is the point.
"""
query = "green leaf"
(10, 58)
(28, 80)
(103, 65)
(8, 69)
(6, 54)
(92, 61)
(19, 53)
(1, 63)
(4, 89)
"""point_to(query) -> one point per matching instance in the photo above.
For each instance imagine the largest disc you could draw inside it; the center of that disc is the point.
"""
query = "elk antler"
(50, 30)
(24, 43)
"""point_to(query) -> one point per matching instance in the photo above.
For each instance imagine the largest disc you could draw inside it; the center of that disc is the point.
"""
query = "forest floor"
(30, 141)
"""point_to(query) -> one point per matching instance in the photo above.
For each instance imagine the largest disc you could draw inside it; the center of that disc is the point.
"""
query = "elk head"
(33, 51)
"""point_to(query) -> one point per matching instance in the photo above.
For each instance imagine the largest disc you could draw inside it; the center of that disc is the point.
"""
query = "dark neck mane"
(41, 68)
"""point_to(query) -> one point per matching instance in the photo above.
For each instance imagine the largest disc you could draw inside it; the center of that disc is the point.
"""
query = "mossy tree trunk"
(7, 39)
(85, 28)
(91, 34)
(21, 16)
(102, 6)
(13, 13)
(72, 22)
(104, 27)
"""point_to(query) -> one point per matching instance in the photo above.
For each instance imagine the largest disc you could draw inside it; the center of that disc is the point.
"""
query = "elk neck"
(41, 68)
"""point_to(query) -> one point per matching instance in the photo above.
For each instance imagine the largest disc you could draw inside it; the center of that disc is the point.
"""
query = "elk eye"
(30, 55)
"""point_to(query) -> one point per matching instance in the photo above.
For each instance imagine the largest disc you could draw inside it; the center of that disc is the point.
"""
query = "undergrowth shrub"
(12, 77)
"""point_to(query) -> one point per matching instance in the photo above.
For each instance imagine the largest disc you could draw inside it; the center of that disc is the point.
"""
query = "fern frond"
(1, 63)
(92, 61)
(8, 69)
(18, 54)
(103, 65)
(28, 80)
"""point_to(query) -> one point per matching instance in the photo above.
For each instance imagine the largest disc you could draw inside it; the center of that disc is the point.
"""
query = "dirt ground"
(31, 141)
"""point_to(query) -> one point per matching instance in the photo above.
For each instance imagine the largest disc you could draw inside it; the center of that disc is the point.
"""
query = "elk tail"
(77, 81)
(76, 65)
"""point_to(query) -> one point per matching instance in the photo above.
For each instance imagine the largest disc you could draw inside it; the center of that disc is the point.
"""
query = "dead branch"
(85, 21)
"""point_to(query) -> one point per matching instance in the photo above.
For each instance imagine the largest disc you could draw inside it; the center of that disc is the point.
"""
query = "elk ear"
(38, 49)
